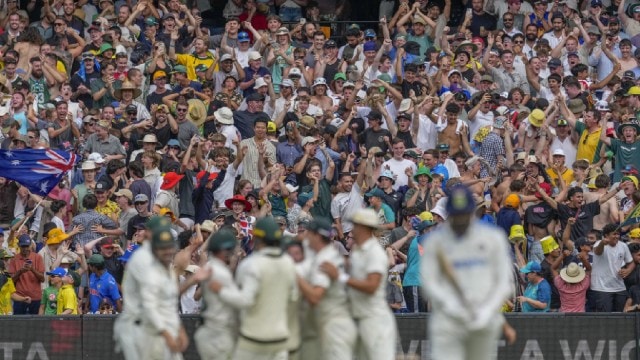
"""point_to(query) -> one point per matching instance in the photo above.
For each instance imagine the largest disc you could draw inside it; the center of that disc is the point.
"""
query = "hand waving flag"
(37, 170)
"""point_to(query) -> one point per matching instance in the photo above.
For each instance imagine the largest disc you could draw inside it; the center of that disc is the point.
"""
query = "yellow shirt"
(67, 299)
(588, 144)
(5, 297)
(567, 176)
(190, 61)
(109, 209)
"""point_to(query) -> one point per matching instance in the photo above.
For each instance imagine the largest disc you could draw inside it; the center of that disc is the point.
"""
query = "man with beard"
(557, 32)
(465, 324)
(348, 199)
(81, 81)
(40, 81)
(12, 31)
(69, 7)
(104, 143)
(201, 55)
(62, 131)
(126, 38)
(160, 81)
(19, 111)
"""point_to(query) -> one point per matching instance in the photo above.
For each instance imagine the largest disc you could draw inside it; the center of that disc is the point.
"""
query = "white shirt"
(225, 190)
(230, 132)
(334, 303)
(369, 258)
(218, 312)
(398, 168)
(345, 204)
(481, 120)
(604, 275)
(427, 133)
(570, 149)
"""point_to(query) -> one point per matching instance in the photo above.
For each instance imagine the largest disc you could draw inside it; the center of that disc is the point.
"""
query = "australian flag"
(37, 170)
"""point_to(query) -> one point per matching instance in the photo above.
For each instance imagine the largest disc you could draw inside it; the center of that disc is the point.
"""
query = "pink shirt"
(572, 296)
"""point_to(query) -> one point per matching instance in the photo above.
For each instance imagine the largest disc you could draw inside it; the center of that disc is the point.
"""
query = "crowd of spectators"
(275, 111)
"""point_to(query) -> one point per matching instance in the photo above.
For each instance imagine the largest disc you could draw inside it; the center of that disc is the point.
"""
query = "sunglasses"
(181, 109)
(518, 42)
(175, 147)
(141, 203)
(132, 112)
(59, 24)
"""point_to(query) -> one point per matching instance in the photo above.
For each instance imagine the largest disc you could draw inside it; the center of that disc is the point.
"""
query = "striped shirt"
(88, 219)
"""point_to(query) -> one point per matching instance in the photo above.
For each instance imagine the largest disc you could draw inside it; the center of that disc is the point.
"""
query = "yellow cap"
(516, 234)
(635, 233)
(631, 178)
(271, 127)
(426, 216)
(548, 244)
(592, 184)
(634, 90)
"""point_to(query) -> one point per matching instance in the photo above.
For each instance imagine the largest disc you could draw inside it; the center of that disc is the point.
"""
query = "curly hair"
(31, 35)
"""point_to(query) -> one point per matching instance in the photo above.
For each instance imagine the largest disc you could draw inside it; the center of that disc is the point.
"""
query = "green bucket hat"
(422, 170)
(105, 47)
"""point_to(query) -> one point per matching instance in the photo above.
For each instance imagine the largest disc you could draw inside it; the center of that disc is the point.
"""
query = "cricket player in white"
(466, 275)
(328, 298)
(267, 280)
(366, 287)
(216, 338)
(163, 336)
(126, 328)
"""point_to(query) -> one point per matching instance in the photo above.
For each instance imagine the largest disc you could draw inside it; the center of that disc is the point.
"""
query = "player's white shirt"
(217, 311)
(335, 302)
(369, 258)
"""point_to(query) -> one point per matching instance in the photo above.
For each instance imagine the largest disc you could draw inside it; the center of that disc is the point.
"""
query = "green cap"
(222, 240)
(76, 278)
(385, 77)
(96, 259)
(158, 223)
(105, 47)
(201, 67)
(340, 75)
(162, 238)
(179, 69)
(151, 21)
(268, 230)
(321, 226)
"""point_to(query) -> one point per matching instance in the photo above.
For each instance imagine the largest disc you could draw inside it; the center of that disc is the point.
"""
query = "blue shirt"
(249, 72)
(442, 170)
(412, 273)
(540, 292)
(103, 287)
(287, 153)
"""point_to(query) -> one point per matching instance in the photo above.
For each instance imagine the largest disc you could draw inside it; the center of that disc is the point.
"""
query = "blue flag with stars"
(37, 170)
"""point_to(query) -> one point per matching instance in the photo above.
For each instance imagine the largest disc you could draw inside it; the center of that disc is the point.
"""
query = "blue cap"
(173, 142)
(375, 192)
(369, 33)
(127, 254)
(532, 266)
(460, 201)
(58, 272)
(369, 46)
(24, 240)
(243, 36)
(304, 197)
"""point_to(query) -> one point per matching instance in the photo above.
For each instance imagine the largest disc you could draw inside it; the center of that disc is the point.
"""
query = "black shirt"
(371, 138)
(584, 219)
(539, 215)
(244, 120)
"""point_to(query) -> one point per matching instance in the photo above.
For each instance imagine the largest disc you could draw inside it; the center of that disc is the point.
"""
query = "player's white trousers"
(450, 340)
(377, 337)
(214, 343)
(338, 338)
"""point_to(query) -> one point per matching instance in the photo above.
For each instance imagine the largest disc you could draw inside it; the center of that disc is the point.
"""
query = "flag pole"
(34, 211)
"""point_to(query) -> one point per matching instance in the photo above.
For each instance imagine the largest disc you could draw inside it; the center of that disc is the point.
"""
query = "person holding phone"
(27, 273)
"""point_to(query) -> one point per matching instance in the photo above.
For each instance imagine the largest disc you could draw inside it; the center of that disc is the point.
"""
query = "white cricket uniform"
(216, 338)
(374, 319)
(160, 305)
(337, 330)
(481, 263)
(126, 328)
(267, 280)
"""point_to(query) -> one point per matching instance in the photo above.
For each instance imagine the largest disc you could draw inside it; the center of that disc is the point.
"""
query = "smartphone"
(469, 10)
(28, 261)
(303, 21)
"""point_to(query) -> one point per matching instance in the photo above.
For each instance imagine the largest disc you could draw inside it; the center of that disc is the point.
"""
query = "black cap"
(555, 62)
(101, 186)
(131, 109)
(321, 226)
(374, 114)
(330, 44)
(255, 97)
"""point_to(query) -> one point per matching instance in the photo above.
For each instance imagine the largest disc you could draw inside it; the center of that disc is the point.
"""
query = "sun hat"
(56, 236)
(170, 180)
(224, 116)
(237, 198)
(365, 217)
(422, 170)
(573, 273)
(536, 118)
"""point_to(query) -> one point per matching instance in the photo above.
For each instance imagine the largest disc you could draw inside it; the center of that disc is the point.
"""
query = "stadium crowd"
(273, 112)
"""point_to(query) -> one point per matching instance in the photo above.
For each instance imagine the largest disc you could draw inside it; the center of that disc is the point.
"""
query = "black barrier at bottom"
(540, 336)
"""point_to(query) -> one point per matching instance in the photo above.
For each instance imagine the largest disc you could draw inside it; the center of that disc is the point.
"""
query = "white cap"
(96, 158)
(559, 152)
(259, 83)
(295, 71)
(291, 188)
(308, 139)
(405, 105)
(226, 57)
(502, 110)
(319, 81)
(254, 55)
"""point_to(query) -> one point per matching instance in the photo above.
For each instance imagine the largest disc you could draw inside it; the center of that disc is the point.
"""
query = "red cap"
(108, 242)
(546, 187)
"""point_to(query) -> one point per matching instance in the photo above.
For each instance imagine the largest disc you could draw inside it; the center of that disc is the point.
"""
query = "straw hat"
(573, 273)
(197, 112)
(127, 85)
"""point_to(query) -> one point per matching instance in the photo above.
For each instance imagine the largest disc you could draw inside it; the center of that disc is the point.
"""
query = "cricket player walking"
(216, 338)
(163, 336)
(366, 286)
(328, 298)
(127, 327)
(466, 275)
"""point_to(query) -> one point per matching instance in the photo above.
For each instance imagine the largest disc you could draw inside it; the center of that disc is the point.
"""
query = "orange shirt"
(28, 284)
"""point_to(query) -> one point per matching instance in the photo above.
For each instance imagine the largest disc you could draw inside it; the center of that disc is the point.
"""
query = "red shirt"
(28, 284)
(572, 296)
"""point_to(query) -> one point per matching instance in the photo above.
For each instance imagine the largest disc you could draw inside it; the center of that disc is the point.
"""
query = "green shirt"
(50, 300)
(322, 207)
(625, 154)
